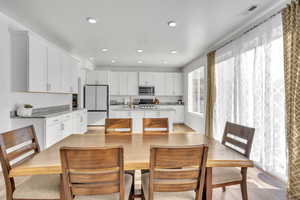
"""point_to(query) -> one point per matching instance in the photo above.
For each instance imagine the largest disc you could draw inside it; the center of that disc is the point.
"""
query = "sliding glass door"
(250, 91)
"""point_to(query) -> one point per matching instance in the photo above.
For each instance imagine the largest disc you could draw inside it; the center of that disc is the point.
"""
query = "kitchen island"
(137, 115)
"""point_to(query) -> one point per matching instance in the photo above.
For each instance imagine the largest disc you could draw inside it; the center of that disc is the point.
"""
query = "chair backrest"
(92, 171)
(155, 125)
(238, 138)
(177, 169)
(118, 126)
(17, 146)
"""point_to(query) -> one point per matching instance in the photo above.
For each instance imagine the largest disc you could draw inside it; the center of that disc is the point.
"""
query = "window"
(249, 78)
(196, 91)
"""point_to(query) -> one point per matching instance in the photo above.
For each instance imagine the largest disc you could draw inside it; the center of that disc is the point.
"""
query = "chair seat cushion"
(222, 175)
(190, 195)
(128, 184)
(39, 187)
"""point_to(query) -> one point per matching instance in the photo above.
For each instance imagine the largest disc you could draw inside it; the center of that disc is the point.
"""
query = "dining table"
(136, 153)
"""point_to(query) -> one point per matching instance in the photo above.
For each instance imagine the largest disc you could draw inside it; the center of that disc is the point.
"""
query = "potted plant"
(25, 110)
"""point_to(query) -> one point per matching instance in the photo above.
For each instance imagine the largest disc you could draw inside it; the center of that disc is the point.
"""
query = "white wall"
(9, 99)
(195, 121)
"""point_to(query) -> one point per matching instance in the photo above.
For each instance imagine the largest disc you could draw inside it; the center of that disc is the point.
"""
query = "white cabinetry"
(159, 83)
(53, 131)
(169, 84)
(38, 66)
(146, 79)
(54, 69)
(98, 77)
(124, 83)
(179, 112)
(178, 84)
(67, 125)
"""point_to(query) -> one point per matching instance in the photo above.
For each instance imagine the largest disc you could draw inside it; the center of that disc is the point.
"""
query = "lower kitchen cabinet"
(51, 130)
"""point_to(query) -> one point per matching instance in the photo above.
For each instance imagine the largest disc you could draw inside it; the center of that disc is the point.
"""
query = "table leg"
(62, 191)
(207, 193)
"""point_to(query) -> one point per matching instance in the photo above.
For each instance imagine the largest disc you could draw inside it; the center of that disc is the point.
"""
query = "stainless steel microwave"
(146, 91)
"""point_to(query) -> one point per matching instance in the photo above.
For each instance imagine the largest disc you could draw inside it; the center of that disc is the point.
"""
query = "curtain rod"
(250, 29)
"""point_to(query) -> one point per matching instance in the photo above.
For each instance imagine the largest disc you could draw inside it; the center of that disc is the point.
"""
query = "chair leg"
(224, 189)
(208, 185)
(244, 184)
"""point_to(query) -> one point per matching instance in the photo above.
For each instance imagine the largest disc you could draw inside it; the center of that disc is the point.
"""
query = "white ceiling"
(123, 26)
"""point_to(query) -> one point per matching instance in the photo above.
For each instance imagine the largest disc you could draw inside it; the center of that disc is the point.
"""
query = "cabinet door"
(123, 82)
(178, 84)
(53, 134)
(102, 77)
(67, 82)
(169, 84)
(90, 98)
(146, 79)
(159, 83)
(91, 77)
(54, 70)
(75, 75)
(114, 83)
(37, 68)
(67, 127)
(132, 80)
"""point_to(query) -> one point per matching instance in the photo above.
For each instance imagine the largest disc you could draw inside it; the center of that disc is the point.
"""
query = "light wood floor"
(261, 186)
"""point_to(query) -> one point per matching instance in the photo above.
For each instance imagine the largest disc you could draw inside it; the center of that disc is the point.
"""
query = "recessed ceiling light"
(140, 61)
(91, 20)
(252, 8)
(165, 62)
(140, 50)
(173, 51)
(104, 50)
(172, 24)
(113, 61)
(91, 58)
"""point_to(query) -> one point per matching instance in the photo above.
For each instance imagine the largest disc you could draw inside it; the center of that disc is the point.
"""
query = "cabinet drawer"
(53, 120)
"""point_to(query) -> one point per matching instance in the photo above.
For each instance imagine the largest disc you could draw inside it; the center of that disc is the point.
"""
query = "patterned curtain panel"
(291, 34)
(210, 94)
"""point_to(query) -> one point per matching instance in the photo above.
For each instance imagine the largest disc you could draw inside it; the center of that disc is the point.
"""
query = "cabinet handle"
(48, 86)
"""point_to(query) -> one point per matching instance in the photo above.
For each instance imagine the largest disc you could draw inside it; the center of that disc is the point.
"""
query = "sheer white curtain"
(250, 91)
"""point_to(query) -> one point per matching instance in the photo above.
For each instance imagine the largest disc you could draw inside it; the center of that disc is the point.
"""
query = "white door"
(101, 98)
(54, 70)
(132, 80)
(37, 66)
(90, 97)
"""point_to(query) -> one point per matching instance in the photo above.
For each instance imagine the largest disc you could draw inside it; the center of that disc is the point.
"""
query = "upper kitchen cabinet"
(29, 62)
(146, 79)
(132, 83)
(98, 77)
(178, 84)
(124, 83)
(38, 66)
(159, 83)
(54, 69)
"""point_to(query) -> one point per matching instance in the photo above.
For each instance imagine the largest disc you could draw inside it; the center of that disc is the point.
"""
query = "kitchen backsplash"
(115, 100)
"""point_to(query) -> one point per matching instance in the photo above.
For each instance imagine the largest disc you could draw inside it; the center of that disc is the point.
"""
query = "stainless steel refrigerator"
(96, 101)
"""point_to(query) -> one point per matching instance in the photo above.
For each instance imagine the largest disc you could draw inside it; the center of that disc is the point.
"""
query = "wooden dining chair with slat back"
(94, 173)
(118, 126)
(17, 147)
(238, 138)
(175, 171)
(152, 126)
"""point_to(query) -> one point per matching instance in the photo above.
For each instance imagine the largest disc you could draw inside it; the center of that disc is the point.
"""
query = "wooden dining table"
(136, 152)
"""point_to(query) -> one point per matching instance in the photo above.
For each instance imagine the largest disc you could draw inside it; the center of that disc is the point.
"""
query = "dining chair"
(175, 172)
(114, 126)
(238, 138)
(18, 146)
(94, 173)
(155, 126)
